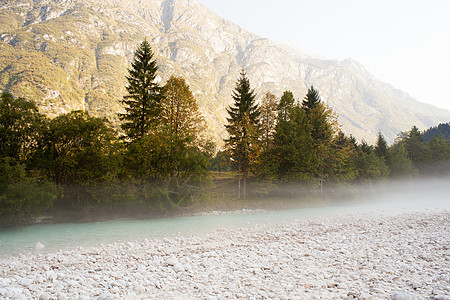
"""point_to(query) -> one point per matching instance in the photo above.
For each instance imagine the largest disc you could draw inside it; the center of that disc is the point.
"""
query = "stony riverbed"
(357, 256)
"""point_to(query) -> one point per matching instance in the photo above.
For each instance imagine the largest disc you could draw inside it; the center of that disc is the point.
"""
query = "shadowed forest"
(160, 160)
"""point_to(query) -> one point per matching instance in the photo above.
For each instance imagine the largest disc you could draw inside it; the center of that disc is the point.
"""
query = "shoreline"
(358, 255)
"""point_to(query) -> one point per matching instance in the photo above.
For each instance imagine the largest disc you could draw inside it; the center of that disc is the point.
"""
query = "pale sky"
(405, 43)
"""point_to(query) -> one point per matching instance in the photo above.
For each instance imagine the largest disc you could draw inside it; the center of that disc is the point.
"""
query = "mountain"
(74, 54)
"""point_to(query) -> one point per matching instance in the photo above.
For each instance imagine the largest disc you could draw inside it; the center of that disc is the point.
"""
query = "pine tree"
(293, 151)
(142, 103)
(243, 126)
(381, 148)
(311, 100)
(324, 126)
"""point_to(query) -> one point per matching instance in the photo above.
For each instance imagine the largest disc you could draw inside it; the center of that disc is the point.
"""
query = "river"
(401, 198)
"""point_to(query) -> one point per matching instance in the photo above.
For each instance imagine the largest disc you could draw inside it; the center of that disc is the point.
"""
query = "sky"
(405, 43)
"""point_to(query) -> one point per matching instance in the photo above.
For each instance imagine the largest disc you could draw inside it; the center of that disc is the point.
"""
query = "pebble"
(401, 296)
(401, 257)
(44, 296)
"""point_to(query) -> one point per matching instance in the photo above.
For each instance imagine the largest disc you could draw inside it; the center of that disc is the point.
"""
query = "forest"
(160, 158)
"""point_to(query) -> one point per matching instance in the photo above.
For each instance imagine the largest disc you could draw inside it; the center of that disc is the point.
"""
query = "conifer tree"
(285, 105)
(311, 100)
(381, 148)
(243, 126)
(142, 103)
(293, 150)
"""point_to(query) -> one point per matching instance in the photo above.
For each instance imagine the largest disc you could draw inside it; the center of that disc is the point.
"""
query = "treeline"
(290, 141)
(442, 130)
(79, 163)
(161, 157)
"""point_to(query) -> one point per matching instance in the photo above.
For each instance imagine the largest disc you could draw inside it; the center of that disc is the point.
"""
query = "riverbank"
(357, 255)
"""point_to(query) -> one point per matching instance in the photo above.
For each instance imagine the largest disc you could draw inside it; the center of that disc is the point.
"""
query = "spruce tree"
(293, 149)
(381, 147)
(142, 103)
(311, 100)
(243, 126)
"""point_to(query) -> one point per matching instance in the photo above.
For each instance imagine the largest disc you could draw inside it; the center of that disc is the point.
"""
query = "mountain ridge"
(73, 54)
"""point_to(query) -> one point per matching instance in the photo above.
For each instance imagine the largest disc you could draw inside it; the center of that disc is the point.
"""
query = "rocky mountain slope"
(74, 54)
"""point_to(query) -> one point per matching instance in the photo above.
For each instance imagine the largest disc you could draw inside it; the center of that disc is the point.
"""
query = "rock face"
(74, 54)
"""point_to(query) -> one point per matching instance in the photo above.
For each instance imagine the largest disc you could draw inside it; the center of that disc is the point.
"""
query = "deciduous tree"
(21, 125)
(268, 119)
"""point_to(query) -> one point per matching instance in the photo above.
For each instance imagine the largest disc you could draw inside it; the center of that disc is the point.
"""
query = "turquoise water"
(69, 236)
(398, 199)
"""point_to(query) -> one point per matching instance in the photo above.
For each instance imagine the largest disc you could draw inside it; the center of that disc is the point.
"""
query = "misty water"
(397, 198)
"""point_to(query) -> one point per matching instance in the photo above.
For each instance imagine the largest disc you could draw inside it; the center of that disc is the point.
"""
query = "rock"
(178, 268)
(376, 291)
(365, 296)
(44, 296)
(401, 296)
(171, 261)
(139, 289)
(25, 282)
(342, 286)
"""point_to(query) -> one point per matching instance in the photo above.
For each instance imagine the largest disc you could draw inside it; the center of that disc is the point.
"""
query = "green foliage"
(312, 99)
(77, 150)
(381, 147)
(180, 115)
(220, 162)
(174, 157)
(285, 106)
(268, 119)
(437, 157)
(442, 129)
(370, 167)
(400, 165)
(293, 151)
(341, 165)
(169, 165)
(20, 127)
(142, 103)
(243, 126)
(413, 144)
(20, 196)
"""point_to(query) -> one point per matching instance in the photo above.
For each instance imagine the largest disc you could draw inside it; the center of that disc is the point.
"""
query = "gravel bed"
(356, 256)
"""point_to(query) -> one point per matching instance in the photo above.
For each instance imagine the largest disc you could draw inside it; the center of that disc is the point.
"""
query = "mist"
(398, 196)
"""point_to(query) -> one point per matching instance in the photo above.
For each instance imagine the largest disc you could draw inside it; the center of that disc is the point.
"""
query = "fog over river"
(388, 242)
(394, 198)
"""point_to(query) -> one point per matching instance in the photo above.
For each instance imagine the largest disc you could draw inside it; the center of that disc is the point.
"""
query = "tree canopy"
(142, 103)
(243, 126)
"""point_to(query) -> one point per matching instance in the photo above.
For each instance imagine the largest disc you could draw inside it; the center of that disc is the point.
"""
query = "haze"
(404, 43)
